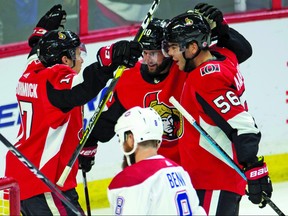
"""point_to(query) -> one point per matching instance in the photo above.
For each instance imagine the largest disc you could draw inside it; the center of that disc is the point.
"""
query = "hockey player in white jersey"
(151, 184)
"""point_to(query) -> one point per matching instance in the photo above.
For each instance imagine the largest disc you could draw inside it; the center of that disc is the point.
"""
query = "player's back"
(155, 186)
(47, 136)
(174, 193)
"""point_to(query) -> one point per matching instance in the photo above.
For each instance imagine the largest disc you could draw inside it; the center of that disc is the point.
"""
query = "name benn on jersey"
(209, 68)
(27, 89)
(175, 179)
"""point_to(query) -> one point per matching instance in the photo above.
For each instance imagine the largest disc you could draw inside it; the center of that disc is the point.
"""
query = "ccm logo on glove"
(257, 172)
(88, 151)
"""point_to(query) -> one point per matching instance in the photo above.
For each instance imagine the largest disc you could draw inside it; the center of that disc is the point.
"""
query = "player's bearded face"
(152, 58)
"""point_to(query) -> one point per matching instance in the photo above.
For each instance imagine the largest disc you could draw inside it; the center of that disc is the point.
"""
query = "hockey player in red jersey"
(214, 95)
(151, 184)
(51, 94)
(149, 84)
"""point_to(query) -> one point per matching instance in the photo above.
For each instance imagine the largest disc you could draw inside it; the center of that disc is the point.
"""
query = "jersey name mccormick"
(175, 179)
(27, 89)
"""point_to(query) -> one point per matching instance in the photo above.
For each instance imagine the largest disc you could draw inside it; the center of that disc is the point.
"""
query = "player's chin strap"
(128, 154)
(128, 160)
(190, 65)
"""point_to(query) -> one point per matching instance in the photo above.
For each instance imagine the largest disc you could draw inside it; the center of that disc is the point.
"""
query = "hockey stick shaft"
(192, 121)
(107, 95)
(39, 174)
(218, 148)
(86, 193)
(272, 205)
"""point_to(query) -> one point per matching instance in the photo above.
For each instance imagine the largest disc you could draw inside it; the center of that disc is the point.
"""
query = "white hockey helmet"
(144, 123)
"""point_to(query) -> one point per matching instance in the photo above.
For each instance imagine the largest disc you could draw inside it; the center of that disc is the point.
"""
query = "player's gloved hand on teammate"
(86, 158)
(258, 182)
(53, 19)
(214, 17)
(122, 52)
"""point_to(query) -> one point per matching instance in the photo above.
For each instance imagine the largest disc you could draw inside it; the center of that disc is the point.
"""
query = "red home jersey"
(132, 90)
(47, 136)
(213, 96)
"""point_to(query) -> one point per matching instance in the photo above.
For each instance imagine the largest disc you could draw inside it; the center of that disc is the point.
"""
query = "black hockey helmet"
(153, 35)
(55, 44)
(188, 27)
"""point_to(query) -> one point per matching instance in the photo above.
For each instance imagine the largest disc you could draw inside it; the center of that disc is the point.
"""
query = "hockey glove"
(258, 182)
(53, 19)
(120, 53)
(214, 17)
(87, 158)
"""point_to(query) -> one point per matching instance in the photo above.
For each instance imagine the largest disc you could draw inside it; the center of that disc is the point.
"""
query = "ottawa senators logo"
(209, 68)
(188, 22)
(61, 36)
(171, 118)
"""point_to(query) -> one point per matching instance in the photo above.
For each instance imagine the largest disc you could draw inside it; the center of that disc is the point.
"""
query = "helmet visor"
(169, 48)
(83, 50)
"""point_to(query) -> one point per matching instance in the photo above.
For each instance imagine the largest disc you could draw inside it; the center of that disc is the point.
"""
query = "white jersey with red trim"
(154, 186)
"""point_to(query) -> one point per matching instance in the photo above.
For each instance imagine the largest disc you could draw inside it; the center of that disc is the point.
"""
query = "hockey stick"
(218, 148)
(86, 193)
(107, 95)
(39, 174)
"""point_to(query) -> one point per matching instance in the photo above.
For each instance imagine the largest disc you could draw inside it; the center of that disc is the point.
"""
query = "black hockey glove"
(120, 53)
(258, 182)
(87, 158)
(214, 17)
(53, 19)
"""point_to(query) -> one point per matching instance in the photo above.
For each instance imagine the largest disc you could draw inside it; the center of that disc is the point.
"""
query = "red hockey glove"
(120, 53)
(258, 182)
(214, 17)
(52, 20)
(87, 158)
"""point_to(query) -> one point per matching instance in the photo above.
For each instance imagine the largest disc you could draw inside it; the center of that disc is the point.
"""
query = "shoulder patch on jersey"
(209, 68)
(26, 75)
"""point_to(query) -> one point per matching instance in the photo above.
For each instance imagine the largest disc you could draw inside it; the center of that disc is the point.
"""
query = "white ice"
(279, 197)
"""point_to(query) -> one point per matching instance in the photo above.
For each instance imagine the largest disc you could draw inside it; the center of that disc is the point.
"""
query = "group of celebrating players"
(168, 167)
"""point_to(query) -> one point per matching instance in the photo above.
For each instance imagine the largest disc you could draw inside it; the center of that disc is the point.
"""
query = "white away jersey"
(155, 186)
